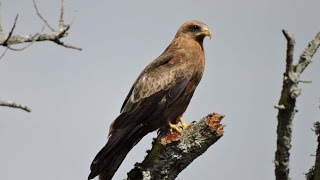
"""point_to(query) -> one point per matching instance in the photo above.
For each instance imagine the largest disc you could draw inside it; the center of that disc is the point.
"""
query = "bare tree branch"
(61, 21)
(172, 152)
(290, 49)
(2, 38)
(305, 58)
(54, 36)
(290, 91)
(5, 42)
(4, 53)
(14, 105)
(41, 17)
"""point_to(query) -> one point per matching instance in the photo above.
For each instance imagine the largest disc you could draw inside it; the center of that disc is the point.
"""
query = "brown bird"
(157, 99)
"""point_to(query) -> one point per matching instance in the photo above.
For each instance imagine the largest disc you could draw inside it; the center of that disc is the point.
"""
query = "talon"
(175, 127)
(183, 123)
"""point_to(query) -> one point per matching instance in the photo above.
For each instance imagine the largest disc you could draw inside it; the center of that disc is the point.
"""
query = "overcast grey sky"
(76, 95)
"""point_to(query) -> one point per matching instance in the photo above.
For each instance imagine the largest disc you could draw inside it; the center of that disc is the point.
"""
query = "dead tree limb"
(172, 152)
(14, 105)
(54, 36)
(13, 39)
(286, 106)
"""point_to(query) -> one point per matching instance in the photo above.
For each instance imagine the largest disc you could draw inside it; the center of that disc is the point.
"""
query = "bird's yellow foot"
(176, 127)
(183, 123)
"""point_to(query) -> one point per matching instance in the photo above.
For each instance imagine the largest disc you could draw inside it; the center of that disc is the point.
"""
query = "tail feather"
(129, 129)
(108, 160)
(107, 169)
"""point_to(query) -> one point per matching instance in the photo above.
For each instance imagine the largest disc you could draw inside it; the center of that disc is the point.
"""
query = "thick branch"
(14, 105)
(290, 91)
(285, 116)
(172, 152)
(314, 171)
(290, 49)
(305, 58)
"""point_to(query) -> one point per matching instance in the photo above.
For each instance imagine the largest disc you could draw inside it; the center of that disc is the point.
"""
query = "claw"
(178, 128)
(183, 123)
(175, 127)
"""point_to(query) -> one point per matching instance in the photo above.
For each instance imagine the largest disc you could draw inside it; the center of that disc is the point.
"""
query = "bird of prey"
(157, 99)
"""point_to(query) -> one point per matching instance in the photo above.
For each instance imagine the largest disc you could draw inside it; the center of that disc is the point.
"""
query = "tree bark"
(316, 170)
(286, 106)
(172, 152)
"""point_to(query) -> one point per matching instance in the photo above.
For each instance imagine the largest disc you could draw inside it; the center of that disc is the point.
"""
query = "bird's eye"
(194, 27)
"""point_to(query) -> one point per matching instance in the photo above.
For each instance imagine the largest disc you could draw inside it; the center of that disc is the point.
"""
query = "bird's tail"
(108, 160)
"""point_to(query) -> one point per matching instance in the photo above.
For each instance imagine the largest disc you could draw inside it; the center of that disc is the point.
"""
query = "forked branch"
(54, 36)
(290, 91)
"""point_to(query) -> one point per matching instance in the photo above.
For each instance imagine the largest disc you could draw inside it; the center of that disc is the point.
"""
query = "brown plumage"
(159, 96)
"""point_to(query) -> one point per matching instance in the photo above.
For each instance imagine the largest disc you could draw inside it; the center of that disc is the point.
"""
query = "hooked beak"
(207, 32)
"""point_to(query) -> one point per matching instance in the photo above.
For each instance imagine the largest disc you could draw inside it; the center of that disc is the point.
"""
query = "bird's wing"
(158, 85)
(160, 61)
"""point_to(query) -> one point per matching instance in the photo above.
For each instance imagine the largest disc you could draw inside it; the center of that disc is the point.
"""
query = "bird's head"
(194, 29)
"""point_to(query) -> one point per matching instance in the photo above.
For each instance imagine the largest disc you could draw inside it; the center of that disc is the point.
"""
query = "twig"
(290, 91)
(279, 106)
(1, 29)
(5, 43)
(172, 152)
(14, 105)
(67, 45)
(41, 17)
(305, 81)
(61, 21)
(4, 53)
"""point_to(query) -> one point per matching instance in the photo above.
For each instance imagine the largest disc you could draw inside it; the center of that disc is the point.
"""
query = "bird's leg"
(178, 128)
(183, 123)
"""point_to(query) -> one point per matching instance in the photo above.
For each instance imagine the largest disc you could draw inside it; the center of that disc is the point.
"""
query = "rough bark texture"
(172, 152)
(316, 168)
(286, 105)
(316, 173)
